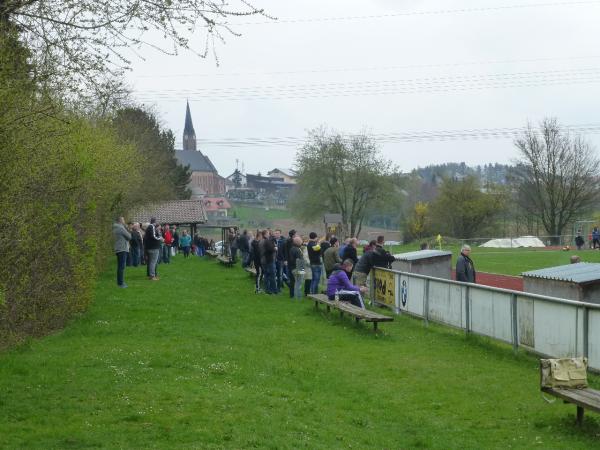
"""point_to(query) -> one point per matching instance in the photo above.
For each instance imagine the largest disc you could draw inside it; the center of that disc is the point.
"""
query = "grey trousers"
(152, 260)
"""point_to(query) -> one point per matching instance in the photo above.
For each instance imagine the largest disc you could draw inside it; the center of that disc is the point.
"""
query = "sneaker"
(155, 278)
(122, 286)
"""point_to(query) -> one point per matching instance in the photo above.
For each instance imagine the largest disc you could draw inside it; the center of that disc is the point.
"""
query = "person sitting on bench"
(338, 283)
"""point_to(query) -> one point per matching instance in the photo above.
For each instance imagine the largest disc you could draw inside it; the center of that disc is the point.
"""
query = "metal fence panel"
(491, 313)
(555, 327)
(414, 295)
(525, 321)
(594, 338)
(445, 303)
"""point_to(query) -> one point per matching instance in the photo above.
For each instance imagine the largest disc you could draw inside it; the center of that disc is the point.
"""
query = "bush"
(62, 178)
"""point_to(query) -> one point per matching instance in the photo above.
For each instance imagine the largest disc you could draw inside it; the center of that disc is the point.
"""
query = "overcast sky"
(389, 70)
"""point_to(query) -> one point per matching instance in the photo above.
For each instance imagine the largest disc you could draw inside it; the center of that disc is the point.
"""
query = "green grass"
(197, 360)
(511, 261)
(257, 216)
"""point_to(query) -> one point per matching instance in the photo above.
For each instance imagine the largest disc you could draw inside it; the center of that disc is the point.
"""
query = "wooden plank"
(586, 398)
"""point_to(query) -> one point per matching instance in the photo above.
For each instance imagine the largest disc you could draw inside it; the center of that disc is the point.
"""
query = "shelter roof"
(171, 212)
(575, 273)
(422, 254)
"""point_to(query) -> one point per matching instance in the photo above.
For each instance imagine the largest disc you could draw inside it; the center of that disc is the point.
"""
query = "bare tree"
(557, 175)
(76, 41)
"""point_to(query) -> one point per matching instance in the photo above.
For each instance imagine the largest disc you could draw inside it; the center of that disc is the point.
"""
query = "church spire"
(189, 135)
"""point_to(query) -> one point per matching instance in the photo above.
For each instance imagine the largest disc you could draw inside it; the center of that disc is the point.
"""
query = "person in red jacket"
(168, 237)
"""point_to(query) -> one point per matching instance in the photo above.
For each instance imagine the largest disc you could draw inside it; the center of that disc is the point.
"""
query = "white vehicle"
(219, 247)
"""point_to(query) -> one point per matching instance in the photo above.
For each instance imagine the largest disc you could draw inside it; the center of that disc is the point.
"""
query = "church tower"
(189, 135)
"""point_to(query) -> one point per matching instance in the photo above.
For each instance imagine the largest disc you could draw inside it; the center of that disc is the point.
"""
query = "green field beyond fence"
(197, 360)
(511, 261)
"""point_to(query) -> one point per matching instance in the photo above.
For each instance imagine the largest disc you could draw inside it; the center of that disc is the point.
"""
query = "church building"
(205, 178)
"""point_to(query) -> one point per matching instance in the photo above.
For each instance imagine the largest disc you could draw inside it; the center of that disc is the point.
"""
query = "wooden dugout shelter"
(173, 212)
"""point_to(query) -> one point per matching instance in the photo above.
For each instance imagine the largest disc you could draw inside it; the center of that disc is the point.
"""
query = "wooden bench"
(345, 307)
(212, 253)
(582, 398)
(250, 270)
(225, 260)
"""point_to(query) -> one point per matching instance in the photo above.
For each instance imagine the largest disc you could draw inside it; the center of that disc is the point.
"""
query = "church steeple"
(189, 135)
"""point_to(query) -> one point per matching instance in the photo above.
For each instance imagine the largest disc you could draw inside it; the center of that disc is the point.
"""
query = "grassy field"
(249, 216)
(511, 261)
(197, 360)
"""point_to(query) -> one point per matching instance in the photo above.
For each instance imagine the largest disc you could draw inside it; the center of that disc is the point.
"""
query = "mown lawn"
(511, 261)
(197, 360)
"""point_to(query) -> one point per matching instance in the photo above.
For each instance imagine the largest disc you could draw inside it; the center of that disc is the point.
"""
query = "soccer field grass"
(512, 261)
(197, 360)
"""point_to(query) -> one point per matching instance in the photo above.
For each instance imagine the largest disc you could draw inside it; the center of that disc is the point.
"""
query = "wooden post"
(580, 411)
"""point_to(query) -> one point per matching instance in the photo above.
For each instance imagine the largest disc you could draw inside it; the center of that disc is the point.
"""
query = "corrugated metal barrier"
(549, 326)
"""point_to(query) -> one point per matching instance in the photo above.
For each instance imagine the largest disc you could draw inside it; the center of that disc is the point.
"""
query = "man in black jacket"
(465, 269)
(152, 242)
(378, 257)
(267, 258)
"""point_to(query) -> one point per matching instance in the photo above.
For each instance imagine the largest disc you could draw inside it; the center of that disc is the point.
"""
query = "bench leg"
(375, 326)
(316, 304)
(356, 319)
(580, 415)
(328, 308)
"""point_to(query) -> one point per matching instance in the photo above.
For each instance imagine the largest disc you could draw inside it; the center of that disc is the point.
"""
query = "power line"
(382, 87)
(397, 137)
(438, 12)
(375, 69)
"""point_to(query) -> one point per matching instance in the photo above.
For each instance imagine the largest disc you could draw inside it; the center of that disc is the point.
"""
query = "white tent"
(523, 241)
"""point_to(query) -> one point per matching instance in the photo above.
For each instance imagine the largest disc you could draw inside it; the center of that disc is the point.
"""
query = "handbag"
(564, 373)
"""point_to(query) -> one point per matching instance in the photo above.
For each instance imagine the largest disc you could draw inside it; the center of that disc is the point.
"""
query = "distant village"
(217, 193)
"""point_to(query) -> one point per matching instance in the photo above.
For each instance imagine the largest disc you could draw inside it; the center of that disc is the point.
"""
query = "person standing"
(244, 247)
(176, 240)
(331, 257)
(255, 258)
(595, 238)
(186, 243)
(135, 245)
(122, 238)
(168, 241)
(314, 255)
(282, 277)
(350, 253)
(267, 258)
(152, 241)
(465, 269)
(295, 268)
(579, 242)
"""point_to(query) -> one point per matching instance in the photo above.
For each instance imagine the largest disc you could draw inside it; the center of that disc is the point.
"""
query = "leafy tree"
(557, 175)
(418, 223)
(340, 174)
(462, 209)
(163, 176)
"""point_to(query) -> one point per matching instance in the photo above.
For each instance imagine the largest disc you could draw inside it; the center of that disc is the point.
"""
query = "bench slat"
(364, 314)
(586, 398)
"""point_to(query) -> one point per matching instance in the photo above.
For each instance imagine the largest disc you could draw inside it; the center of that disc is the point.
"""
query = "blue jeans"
(270, 280)
(134, 253)
(166, 254)
(281, 276)
(121, 261)
(316, 279)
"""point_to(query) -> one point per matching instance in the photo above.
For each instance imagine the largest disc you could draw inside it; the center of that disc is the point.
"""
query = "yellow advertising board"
(385, 288)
